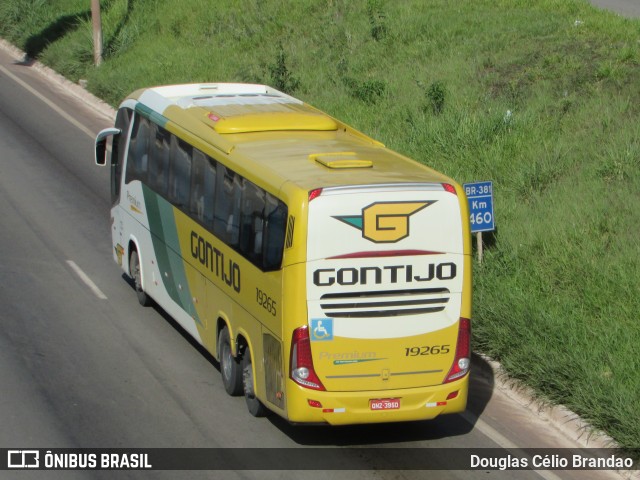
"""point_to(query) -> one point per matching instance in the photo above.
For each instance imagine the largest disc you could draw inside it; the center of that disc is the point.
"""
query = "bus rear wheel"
(136, 275)
(229, 365)
(255, 406)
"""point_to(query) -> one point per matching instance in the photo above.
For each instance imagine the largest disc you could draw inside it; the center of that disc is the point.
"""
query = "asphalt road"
(626, 8)
(83, 365)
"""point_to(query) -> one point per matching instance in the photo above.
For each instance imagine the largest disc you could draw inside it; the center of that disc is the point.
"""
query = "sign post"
(480, 197)
(97, 32)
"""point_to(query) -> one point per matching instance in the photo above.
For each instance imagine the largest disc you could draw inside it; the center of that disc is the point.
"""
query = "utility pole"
(97, 32)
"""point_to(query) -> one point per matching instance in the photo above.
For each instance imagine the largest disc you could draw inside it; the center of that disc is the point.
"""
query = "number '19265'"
(266, 302)
(427, 350)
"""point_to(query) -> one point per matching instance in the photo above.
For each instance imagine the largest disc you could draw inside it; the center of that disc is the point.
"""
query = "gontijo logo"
(384, 222)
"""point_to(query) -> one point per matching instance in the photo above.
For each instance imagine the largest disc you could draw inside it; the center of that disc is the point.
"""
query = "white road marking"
(55, 107)
(501, 440)
(83, 276)
(87, 281)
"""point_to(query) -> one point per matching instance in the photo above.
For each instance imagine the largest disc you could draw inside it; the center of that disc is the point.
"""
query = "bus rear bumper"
(380, 406)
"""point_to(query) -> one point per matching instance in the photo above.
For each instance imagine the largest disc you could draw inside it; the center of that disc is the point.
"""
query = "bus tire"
(136, 276)
(255, 406)
(230, 368)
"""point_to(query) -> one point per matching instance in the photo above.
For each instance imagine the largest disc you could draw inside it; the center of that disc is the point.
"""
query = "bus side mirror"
(101, 144)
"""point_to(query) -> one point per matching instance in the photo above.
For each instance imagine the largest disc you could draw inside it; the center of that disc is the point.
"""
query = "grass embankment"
(542, 97)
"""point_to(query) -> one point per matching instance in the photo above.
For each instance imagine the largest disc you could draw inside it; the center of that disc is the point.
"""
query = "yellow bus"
(329, 276)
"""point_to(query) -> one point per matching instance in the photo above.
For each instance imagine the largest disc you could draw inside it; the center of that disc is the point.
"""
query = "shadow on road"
(480, 391)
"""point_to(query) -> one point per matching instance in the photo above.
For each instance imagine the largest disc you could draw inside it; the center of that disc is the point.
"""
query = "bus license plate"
(384, 404)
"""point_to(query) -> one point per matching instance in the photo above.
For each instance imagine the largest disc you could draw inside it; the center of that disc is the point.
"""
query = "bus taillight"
(301, 365)
(449, 188)
(315, 193)
(462, 360)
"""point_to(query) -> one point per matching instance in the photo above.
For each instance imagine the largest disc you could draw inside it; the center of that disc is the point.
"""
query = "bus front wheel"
(229, 365)
(136, 275)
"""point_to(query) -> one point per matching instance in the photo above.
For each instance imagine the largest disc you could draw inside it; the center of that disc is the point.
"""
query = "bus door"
(119, 146)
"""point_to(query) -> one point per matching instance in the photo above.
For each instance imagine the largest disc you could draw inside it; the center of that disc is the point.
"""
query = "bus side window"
(138, 150)
(233, 223)
(274, 233)
(252, 222)
(203, 187)
(159, 159)
(196, 204)
(226, 224)
(209, 191)
(180, 173)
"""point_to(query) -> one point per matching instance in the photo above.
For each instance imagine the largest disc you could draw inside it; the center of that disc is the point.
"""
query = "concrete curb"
(96, 104)
(567, 423)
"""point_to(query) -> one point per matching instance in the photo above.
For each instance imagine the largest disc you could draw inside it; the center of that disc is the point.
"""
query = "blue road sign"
(480, 196)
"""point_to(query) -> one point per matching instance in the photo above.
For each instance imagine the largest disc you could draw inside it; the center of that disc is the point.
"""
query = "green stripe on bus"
(165, 236)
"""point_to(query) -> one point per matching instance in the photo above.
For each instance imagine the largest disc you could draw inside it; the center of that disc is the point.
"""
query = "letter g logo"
(385, 222)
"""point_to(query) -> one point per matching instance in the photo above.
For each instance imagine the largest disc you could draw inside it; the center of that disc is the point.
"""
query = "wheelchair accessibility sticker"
(321, 329)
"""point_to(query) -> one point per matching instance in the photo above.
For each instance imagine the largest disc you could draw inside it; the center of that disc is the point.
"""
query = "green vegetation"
(540, 96)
